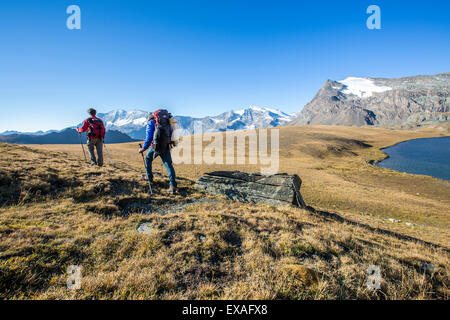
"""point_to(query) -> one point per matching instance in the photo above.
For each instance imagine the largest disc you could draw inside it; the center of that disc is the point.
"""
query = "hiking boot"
(172, 190)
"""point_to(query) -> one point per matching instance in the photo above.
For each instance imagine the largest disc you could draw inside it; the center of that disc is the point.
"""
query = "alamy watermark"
(74, 20)
(374, 279)
(252, 146)
(74, 273)
(74, 277)
(374, 20)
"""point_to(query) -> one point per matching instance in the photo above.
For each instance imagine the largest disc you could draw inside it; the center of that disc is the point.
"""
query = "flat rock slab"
(279, 189)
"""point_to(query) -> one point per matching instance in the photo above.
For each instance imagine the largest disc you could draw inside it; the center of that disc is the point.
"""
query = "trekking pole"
(82, 147)
(146, 172)
(110, 159)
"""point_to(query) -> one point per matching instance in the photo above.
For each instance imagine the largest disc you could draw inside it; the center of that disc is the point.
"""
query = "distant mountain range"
(66, 136)
(37, 133)
(412, 101)
(127, 126)
(377, 101)
(133, 122)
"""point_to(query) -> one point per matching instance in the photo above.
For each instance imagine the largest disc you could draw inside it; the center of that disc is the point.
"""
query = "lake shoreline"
(375, 162)
(413, 163)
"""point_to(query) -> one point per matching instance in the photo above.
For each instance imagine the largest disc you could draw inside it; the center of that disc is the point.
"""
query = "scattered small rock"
(427, 266)
(144, 228)
(393, 220)
(409, 224)
(202, 238)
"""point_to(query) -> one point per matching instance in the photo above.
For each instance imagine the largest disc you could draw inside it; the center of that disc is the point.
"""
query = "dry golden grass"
(333, 163)
(57, 212)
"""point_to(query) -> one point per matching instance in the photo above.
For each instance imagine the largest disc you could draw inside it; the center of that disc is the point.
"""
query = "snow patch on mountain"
(362, 87)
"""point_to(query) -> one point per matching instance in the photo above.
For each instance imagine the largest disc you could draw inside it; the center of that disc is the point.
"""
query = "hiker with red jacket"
(158, 139)
(95, 135)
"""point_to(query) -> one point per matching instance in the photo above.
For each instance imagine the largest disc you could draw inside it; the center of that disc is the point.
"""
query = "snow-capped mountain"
(133, 122)
(379, 101)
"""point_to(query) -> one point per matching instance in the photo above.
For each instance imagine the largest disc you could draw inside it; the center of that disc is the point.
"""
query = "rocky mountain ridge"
(376, 101)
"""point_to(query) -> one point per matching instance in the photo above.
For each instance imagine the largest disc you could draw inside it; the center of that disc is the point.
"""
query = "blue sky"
(202, 57)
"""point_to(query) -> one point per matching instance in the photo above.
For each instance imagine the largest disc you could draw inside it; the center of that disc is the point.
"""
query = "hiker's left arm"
(149, 135)
(103, 132)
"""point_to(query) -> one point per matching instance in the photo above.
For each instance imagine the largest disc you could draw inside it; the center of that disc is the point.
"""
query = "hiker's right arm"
(84, 127)
(149, 135)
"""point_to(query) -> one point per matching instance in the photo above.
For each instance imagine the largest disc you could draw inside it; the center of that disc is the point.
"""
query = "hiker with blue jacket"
(158, 142)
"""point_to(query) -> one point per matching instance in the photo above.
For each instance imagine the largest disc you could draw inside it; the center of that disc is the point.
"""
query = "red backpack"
(96, 129)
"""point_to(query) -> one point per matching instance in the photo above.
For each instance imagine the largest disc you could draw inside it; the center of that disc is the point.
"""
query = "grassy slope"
(59, 212)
